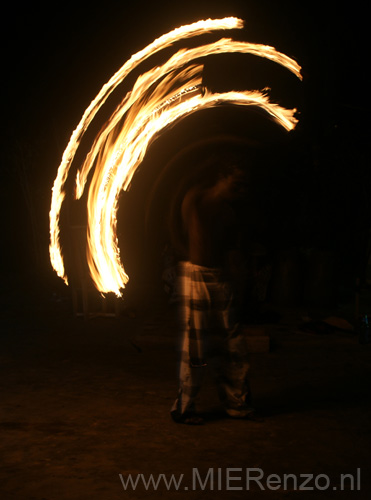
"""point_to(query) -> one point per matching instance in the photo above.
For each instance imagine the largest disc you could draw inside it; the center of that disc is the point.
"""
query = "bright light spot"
(172, 91)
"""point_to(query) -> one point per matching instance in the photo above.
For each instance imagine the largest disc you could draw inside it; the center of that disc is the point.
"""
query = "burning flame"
(159, 98)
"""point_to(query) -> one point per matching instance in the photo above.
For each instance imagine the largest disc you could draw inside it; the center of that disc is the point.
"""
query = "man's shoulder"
(191, 198)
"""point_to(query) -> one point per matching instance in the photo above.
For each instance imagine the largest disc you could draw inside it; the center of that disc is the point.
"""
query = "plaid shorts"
(210, 338)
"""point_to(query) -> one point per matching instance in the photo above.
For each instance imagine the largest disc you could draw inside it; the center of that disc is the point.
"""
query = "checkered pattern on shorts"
(210, 339)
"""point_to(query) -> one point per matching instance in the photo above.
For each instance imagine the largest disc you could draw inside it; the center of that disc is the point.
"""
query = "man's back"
(210, 227)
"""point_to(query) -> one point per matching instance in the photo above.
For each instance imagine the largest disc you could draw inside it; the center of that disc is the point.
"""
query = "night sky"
(58, 58)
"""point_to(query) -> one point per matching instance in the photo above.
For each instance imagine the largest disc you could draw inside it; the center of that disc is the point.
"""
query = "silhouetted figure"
(211, 338)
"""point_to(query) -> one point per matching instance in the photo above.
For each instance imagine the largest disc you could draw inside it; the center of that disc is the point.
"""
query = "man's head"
(231, 180)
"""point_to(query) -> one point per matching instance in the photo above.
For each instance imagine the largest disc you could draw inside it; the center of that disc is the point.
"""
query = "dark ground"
(85, 401)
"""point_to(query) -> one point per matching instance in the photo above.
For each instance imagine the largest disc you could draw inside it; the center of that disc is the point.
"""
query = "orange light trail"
(160, 43)
(172, 91)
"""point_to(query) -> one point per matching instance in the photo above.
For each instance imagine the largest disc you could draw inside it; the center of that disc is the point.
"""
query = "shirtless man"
(211, 338)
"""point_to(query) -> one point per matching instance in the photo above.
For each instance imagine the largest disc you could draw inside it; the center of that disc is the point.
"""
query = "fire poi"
(172, 91)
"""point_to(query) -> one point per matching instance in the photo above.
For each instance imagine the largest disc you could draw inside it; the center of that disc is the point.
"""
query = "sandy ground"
(85, 401)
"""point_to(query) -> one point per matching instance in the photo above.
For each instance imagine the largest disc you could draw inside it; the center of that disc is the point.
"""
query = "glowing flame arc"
(172, 91)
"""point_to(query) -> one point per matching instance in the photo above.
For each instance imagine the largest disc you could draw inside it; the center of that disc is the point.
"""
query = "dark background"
(315, 191)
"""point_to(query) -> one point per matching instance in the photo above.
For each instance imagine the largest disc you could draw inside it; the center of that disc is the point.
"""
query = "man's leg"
(192, 367)
(190, 378)
(229, 355)
(230, 369)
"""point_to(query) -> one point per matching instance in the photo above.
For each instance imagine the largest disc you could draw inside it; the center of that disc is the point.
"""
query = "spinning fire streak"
(159, 98)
